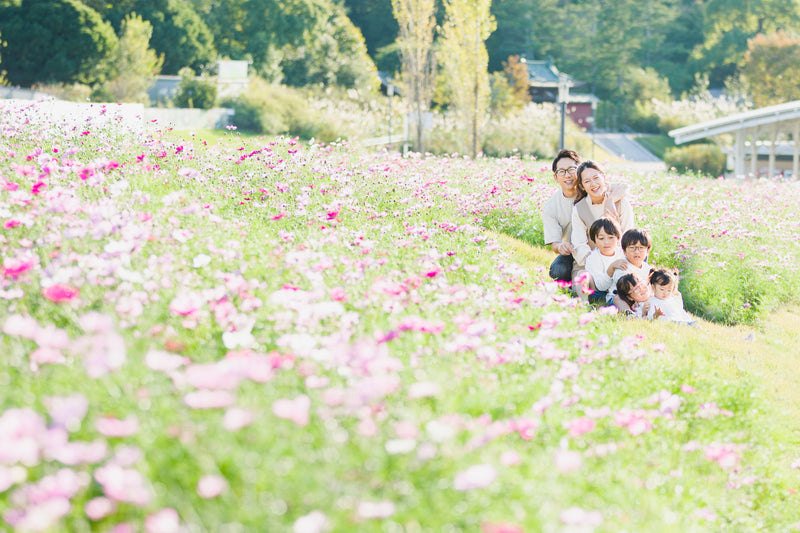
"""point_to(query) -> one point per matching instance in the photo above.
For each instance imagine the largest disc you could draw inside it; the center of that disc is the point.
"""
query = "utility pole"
(563, 96)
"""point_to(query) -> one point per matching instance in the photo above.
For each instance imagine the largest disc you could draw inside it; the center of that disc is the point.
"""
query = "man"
(557, 214)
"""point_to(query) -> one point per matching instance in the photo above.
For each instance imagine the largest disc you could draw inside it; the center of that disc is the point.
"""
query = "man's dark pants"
(561, 268)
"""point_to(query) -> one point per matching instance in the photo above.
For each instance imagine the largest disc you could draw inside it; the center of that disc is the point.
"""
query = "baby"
(666, 297)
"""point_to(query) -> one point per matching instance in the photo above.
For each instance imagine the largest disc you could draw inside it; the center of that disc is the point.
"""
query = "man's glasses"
(561, 172)
(637, 248)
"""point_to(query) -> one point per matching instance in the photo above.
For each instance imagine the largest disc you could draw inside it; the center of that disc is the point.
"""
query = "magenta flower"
(14, 267)
(60, 292)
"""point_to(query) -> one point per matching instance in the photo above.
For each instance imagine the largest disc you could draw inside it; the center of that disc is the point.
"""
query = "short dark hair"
(568, 154)
(606, 224)
(636, 236)
(663, 277)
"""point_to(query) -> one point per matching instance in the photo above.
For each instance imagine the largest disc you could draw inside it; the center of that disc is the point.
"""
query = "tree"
(728, 24)
(517, 75)
(55, 41)
(467, 25)
(134, 64)
(771, 68)
(194, 92)
(333, 54)
(376, 20)
(416, 20)
(179, 34)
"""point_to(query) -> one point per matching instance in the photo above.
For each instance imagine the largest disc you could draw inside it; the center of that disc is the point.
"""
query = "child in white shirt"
(636, 245)
(667, 299)
(604, 232)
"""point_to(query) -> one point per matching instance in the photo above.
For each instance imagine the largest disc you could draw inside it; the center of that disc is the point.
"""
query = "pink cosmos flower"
(313, 522)
(568, 461)
(14, 267)
(67, 411)
(164, 521)
(99, 508)
(209, 399)
(575, 516)
(510, 458)
(211, 486)
(501, 527)
(186, 304)
(724, 454)
(123, 484)
(579, 426)
(633, 420)
(236, 418)
(296, 410)
(60, 292)
(379, 510)
(113, 427)
(21, 326)
(475, 477)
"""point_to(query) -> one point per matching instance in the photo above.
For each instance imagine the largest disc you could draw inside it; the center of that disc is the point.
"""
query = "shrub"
(706, 159)
(272, 109)
(194, 92)
(532, 130)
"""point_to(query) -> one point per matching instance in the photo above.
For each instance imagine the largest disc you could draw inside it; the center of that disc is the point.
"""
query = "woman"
(593, 202)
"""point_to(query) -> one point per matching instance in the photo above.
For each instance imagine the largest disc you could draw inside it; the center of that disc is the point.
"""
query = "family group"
(589, 223)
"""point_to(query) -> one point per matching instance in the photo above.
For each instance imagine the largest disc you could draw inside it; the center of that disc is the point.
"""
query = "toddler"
(666, 297)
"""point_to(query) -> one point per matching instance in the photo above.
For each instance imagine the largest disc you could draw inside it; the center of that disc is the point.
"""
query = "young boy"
(636, 246)
(606, 236)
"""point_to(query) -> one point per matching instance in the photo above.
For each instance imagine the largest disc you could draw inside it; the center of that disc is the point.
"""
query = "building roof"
(544, 73)
(781, 116)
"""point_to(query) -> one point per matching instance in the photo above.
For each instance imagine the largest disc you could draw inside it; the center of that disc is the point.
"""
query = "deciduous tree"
(467, 25)
(135, 64)
(771, 68)
(417, 22)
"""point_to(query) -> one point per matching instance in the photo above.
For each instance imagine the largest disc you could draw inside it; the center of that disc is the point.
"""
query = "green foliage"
(503, 100)
(195, 92)
(706, 159)
(771, 68)
(335, 54)
(272, 109)
(464, 62)
(656, 144)
(134, 65)
(71, 92)
(55, 41)
(179, 34)
(517, 75)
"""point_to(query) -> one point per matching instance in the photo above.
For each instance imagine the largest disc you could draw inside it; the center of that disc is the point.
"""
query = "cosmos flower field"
(276, 335)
